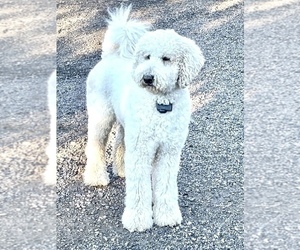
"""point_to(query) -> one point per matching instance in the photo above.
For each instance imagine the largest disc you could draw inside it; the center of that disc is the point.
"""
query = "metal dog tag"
(162, 108)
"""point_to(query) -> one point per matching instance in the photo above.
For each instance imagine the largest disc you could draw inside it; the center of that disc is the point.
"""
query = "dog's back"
(122, 33)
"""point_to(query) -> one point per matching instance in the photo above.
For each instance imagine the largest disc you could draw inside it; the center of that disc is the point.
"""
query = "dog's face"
(165, 61)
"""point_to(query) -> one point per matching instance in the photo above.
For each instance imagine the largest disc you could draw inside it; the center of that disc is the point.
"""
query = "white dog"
(50, 172)
(141, 83)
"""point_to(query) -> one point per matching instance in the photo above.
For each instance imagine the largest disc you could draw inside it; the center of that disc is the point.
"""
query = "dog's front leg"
(165, 192)
(137, 214)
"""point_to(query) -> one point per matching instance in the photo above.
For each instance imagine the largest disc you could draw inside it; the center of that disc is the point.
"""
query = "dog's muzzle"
(148, 80)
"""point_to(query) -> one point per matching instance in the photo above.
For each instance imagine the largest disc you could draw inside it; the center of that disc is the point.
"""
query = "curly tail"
(122, 33)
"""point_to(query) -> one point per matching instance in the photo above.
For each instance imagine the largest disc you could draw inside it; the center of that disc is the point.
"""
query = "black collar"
(164, 108)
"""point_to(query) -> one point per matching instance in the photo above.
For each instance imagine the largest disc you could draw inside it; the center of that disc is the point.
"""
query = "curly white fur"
(139, 70)
(50, 173)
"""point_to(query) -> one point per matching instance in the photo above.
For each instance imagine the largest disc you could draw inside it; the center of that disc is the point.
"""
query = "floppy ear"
(191, 62)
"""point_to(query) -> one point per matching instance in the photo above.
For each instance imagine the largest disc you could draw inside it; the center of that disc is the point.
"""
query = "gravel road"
(27, 206)
(272, 125)
(241, 122)
(211, 176)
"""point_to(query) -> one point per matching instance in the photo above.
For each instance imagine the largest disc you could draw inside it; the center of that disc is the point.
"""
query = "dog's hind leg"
(50, 172)
(99, 127)
(119, 151)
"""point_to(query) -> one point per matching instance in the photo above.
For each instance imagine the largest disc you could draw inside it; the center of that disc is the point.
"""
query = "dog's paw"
(119, 170)
(121, 173)
(137, 220)
(167, 216)
(95, 178)
(49, 176)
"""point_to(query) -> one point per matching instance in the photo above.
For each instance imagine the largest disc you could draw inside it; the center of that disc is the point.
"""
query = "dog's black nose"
(148, 79)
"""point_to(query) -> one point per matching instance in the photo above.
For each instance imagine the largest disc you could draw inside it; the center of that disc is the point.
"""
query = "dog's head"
(166, 61)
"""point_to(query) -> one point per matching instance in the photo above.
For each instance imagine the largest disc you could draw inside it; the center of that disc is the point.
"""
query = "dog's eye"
(147, 57)
(166, 59)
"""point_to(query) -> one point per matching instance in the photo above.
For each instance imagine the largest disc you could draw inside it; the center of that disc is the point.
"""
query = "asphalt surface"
(272, 125)
(211, 176)
(27, 206)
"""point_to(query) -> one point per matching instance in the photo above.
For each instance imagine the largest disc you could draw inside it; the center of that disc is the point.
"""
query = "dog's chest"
(160, 126)
(141, 114)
